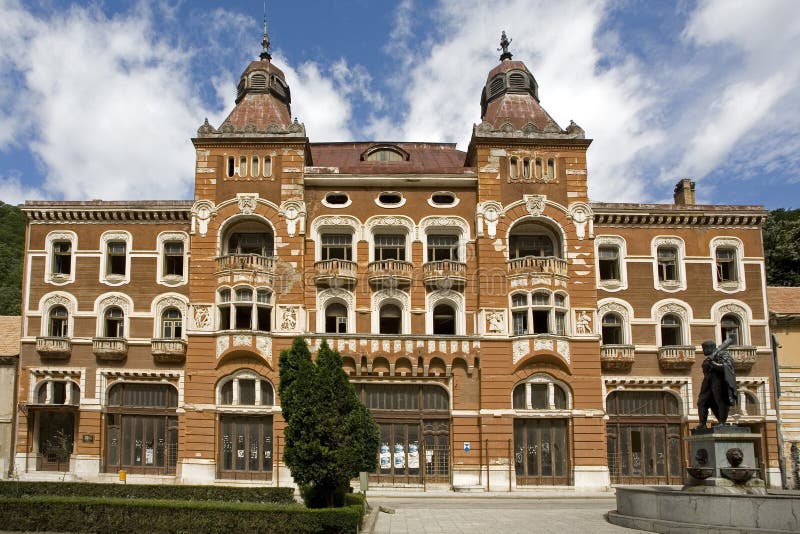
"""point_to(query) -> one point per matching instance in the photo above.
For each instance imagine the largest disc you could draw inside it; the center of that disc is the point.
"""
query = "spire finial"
(265, 56)
(504, 42)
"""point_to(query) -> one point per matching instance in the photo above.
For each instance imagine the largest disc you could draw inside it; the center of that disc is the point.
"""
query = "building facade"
(505, 331)
(9, 361)
(784, 316)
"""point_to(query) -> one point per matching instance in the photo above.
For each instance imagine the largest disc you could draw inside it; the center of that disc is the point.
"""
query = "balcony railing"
(617, 357)
(537, 265)
(246, 262)
(445, 274)
(54, 347)
(390, 273)
(168, 350)
(676, 357)
(335, 273)
(743, 357)
(110, 348)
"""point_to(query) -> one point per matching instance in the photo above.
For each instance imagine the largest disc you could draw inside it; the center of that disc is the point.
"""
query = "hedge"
(84, 514)
(16, 489)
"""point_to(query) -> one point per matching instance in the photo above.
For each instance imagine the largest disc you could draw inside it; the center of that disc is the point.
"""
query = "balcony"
(110, 349)
(390, 274)
(254, 267)
(54, 347)
(743, 357)
(168, 350)
(537, 270)
(616, 357)
(676, 357)
(335, 273)
(445, 274)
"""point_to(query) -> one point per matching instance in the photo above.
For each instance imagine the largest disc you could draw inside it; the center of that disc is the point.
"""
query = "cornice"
(606, 214)
(96, 212)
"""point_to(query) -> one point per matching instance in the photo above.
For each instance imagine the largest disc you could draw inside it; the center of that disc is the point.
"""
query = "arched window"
(171, 324)
(731, 328)
(58, 322)
(391, 319)
(531, 239)
(612, 329)
(250, 309)
(551, 168)
(267, 167)
(58, 392)
(444, 320)
(114, 325)
(639, 403)
(513, 167)
(250, 238)
(671, 331)
(246, 389)
(538, 168)
(526, 168)
(336, 318)
(539, 393)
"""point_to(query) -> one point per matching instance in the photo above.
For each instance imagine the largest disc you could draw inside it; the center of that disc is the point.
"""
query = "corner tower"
(535, 245)
(249, 204)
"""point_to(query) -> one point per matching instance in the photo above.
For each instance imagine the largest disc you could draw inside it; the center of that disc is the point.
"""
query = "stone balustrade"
(617, 357)
(390, 274)
(54, 347)
(335, 273)
(168, 350)
(743, 357)
(676, 357)
(445, 274)
(110, 348)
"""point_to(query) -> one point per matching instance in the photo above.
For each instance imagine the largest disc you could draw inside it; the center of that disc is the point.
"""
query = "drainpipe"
(776, 379)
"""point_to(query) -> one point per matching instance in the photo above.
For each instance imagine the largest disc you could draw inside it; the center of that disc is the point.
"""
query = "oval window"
(390, 199)
(443, 198)
(337, 199)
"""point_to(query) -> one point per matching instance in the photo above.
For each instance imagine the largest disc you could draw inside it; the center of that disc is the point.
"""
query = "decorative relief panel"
(200, 315)
(222, 344)
(289, 318)
(584, 322)
(294, 211)
(582, 216)
(534, 204)
(247, 202)
(493, 321)
(488, 213)
(202, 212)
(264, 346)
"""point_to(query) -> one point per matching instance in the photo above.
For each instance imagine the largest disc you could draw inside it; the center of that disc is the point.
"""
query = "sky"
(100, 99)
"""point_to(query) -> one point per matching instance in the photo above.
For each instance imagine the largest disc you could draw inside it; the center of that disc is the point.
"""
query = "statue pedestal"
(711, 472)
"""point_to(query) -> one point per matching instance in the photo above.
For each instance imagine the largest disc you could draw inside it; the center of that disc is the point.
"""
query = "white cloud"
(13, 191)
(556, 40)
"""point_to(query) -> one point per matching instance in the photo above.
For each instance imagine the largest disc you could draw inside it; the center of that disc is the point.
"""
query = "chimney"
(684, 192)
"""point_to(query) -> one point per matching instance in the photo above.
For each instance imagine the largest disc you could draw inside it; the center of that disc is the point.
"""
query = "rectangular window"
(520, 319)
(335, 324)
(244, 317)
(608, 258)
(62, 257)
(726, 265)
(224, 317)
(173, 258)
(247, 391)
(242, 166)
(116, 258)
(254, 167)
(667, 264)
(561, 323)
(442, 247)
(390, 247)
(337, 247)
(541, 321)
(264, 317)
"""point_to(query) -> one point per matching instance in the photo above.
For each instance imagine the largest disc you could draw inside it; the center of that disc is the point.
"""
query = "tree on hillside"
(782, 247)
(12, 246)
(330, 435)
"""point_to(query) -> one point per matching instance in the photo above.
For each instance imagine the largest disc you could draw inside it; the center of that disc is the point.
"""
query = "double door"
(245, 447)
(541, 456)
(413, 451)
(643, 453)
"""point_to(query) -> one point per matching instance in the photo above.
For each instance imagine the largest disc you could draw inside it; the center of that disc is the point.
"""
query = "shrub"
(147, 491)
(75, 514)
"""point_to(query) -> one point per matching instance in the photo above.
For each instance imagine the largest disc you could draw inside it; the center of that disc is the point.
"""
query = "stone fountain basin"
(738, 475)
(668, 509)
(700, 473)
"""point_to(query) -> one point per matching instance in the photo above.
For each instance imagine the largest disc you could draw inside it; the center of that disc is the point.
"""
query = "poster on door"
(385, 457)
(399, 456)
(413, 455)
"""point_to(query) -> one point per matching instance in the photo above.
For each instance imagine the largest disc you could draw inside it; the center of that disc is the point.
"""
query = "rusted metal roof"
(429, 158)
(519, 110)
(784, 300)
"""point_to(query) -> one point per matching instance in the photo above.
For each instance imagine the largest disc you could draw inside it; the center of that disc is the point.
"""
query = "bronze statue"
(718, 391)
(504, 42)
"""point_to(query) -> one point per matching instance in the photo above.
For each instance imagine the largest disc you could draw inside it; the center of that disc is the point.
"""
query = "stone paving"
(480, 514)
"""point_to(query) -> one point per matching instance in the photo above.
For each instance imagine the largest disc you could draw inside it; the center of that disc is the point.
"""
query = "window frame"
(551, 408)
(163, 241)
(617, 242)
(254, 306)
(677, 244)
(735, 245)
(115, 236)
(53, 238)
(235, 380)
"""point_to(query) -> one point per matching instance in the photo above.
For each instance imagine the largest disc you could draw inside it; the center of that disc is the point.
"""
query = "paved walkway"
(490, 515)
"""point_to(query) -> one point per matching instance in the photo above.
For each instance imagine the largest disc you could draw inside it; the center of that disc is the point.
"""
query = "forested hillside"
(12, 235)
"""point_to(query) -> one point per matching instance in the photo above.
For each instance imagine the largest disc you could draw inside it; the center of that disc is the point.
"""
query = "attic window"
(385, 153)
(279, 86)
(443, 199)
(336, 200)
(516, 80)
(390, 199)
(258, 81)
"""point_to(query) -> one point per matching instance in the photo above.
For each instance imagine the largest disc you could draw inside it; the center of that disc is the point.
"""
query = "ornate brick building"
(505, 331)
